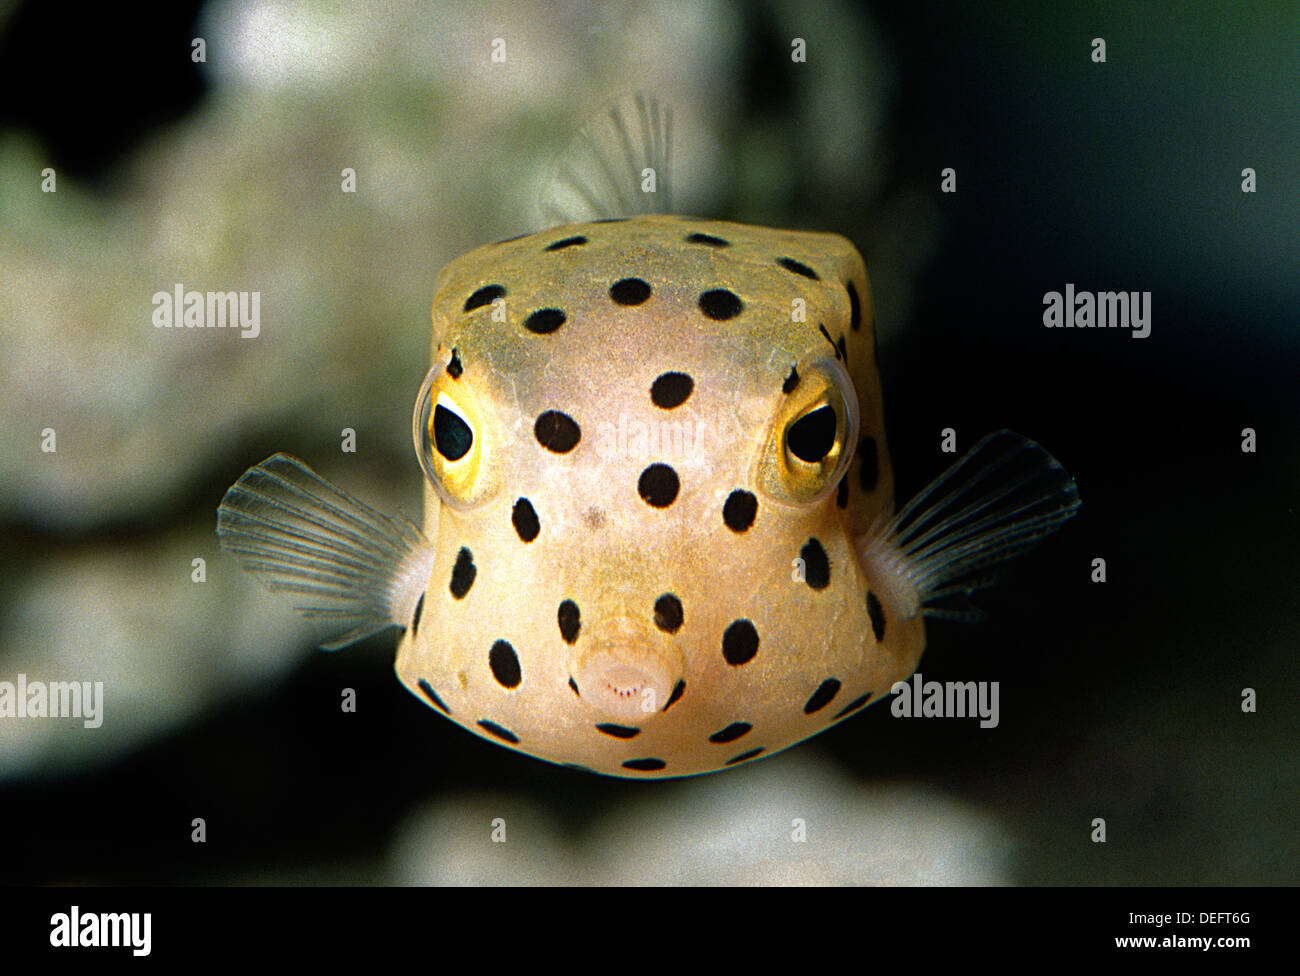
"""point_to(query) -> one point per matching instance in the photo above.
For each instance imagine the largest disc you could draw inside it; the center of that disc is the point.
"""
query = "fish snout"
(627, 671)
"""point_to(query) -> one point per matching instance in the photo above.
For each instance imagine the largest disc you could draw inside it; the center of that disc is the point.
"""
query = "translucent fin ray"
(358, 570)
(601, 174)
(997, 501)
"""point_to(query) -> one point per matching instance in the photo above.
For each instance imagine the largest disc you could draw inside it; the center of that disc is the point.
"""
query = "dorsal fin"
(609, 167)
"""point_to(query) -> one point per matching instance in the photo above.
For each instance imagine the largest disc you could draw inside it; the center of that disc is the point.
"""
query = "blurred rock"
(163, 646)
(734, 828)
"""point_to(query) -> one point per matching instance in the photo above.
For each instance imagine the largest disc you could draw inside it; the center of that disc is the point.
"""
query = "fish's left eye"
(810, 443)
(811, 437)
(448, 432)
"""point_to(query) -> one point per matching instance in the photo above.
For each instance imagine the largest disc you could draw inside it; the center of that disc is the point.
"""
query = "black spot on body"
(454, 368)
(629, 291)
(524, 519)
(557, 432)
(877, 614)
(574, 685)
(566, 242)
(570, 621)
(433, 695)
(869, 473)
(463, 573)
(499, 731)
(644, 765)
(816, 565)
(825, 693)
(415, 619)
(668, 614)
(671, 390)
(678, 690)
(618, 731)
(743, 756)
(484, 296)
(798, 267)
(708, 239)
(721, 304)
(842, 349)
(842, 493)
(791, 381)
(658, 485)
(545, 321)
(739, 510)
(739, 642)
(505, 664)
(827, 336)
(852, 706)
(855, 306)
(731, 733)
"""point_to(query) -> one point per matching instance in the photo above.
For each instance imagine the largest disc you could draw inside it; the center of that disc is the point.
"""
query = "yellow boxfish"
(659, 534)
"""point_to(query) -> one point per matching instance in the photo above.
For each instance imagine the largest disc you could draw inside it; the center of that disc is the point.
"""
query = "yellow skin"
(600, 544)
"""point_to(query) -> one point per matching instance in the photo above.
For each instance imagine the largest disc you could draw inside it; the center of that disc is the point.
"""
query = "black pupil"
(811, 437)
(451, 435)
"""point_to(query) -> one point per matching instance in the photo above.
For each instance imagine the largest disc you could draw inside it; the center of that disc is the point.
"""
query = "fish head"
(638, 438)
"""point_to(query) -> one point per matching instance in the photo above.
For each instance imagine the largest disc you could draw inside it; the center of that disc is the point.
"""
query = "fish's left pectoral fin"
(354, 570)
(1001, 498)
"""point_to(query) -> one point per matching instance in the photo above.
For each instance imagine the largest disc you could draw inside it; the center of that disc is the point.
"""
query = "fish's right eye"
(452, 435)
(448, 432)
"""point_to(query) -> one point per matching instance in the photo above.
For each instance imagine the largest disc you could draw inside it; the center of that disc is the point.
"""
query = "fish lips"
(626, 671)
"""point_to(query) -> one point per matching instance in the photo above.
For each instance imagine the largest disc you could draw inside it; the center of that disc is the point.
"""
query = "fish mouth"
(627, 672)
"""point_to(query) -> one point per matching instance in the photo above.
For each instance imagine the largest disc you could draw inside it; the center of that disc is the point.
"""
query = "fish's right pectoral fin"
(997, 501)
(354, 570)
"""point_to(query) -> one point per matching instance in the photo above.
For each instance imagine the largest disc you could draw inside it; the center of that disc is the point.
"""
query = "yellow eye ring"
(811, 439)
(448, 431)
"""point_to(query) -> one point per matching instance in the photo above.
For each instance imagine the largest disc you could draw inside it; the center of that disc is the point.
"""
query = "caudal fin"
(998, 500)
(355, 570)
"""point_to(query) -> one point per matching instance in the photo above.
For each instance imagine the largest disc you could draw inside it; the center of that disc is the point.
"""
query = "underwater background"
(1120, 700)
